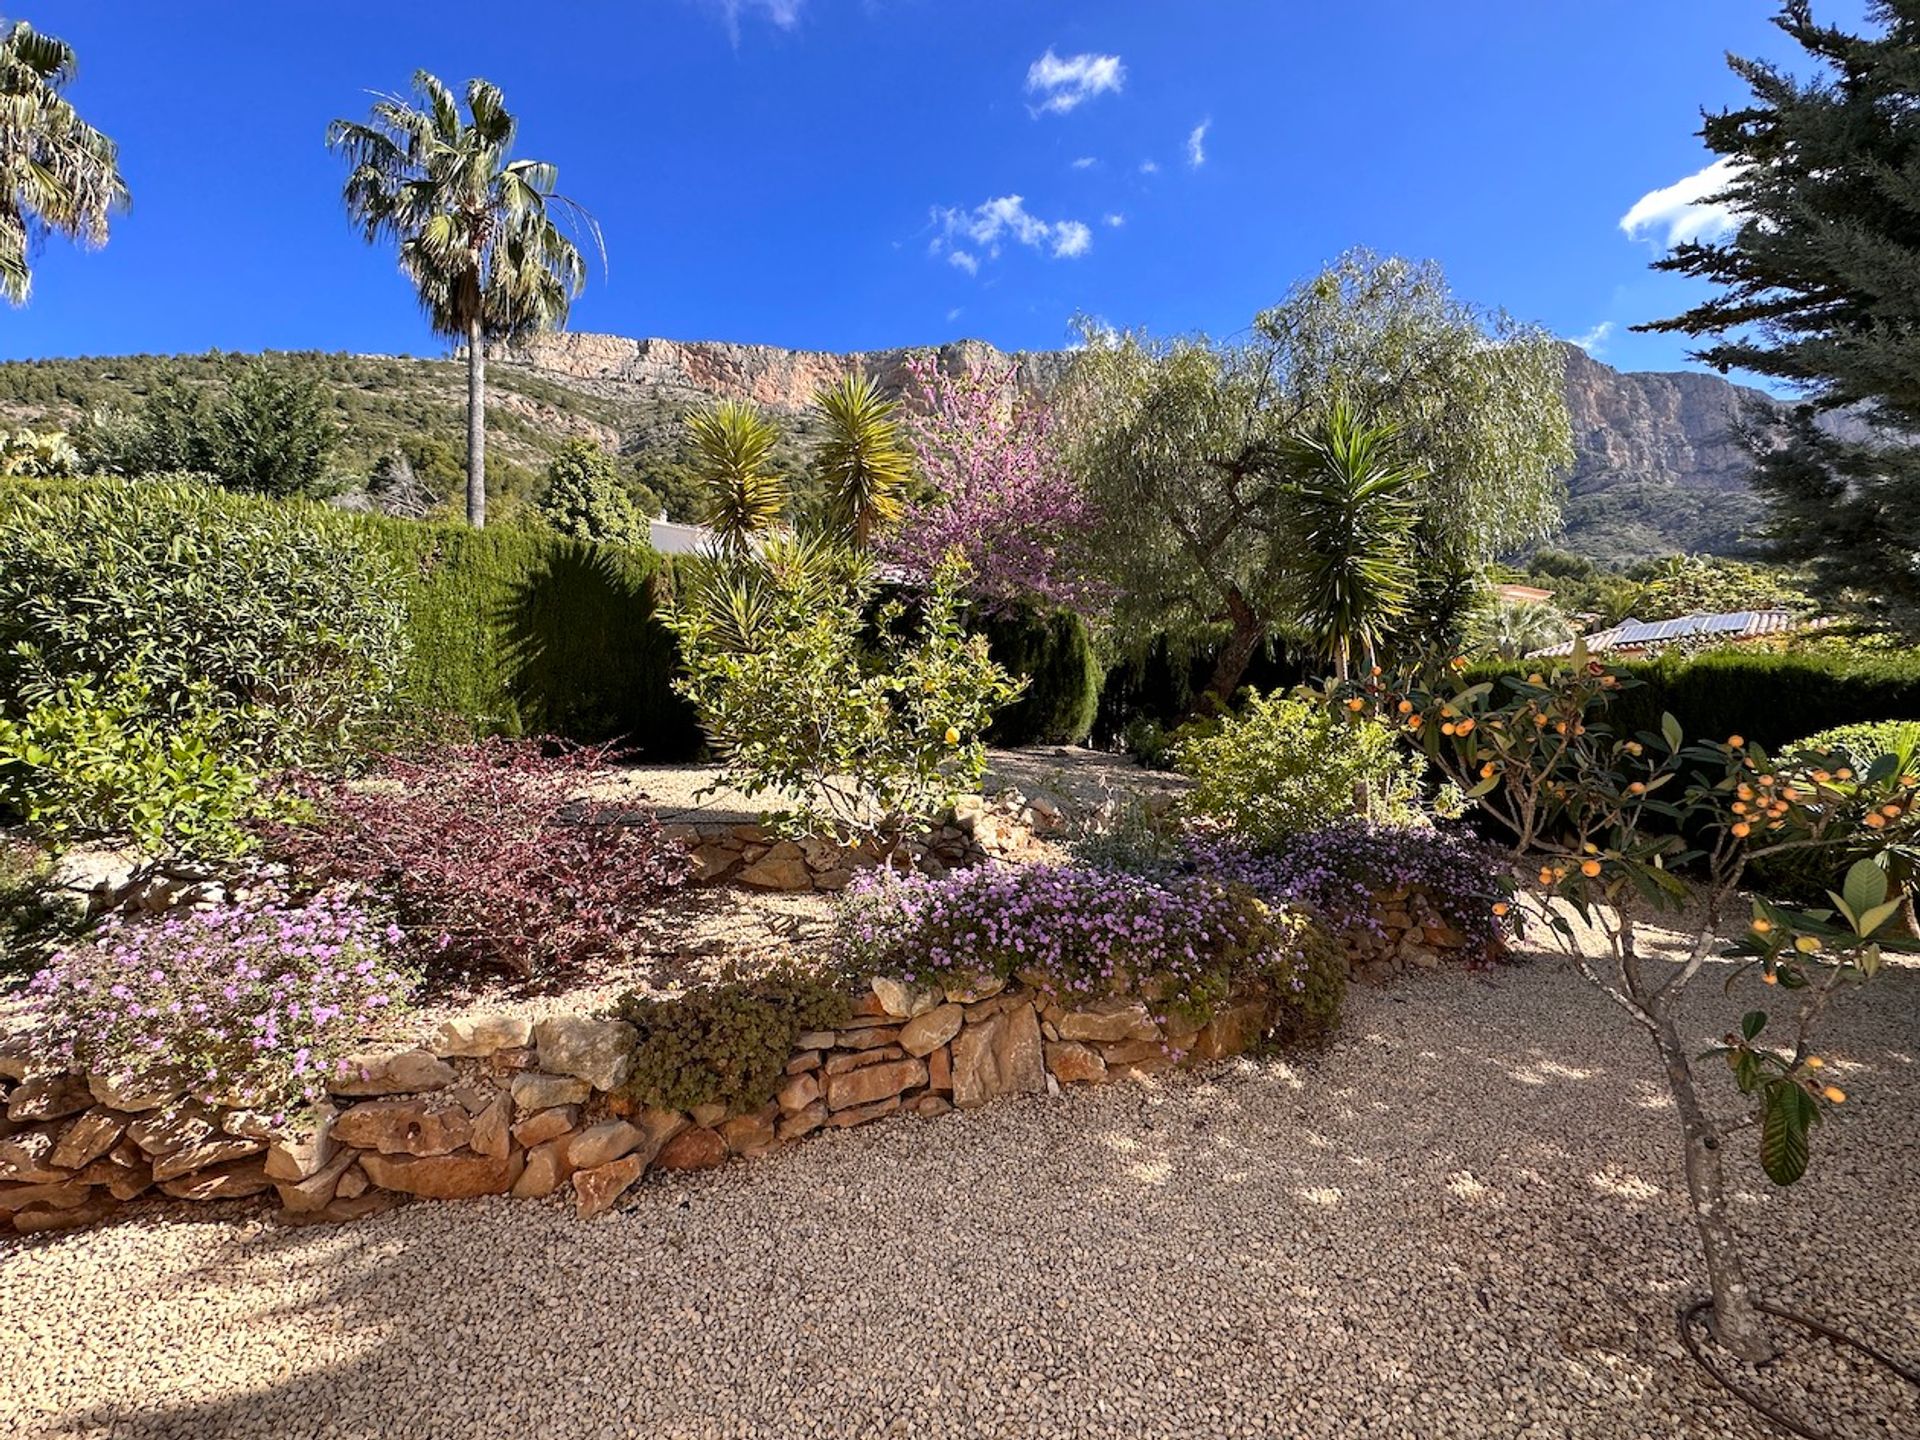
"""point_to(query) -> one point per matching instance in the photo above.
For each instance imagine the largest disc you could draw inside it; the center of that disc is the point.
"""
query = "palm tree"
(864, 464)
(57, 173)
(1349, 529)
(1515, 629)
(733, 445)
(479, 233)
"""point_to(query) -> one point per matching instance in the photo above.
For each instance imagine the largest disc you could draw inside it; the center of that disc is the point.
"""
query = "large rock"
(546, 1170)
(1109, 1020)
(87, 1138)
(235, 1181)
(695, 1149)
(928, 1031)
(478, 1036)
(61, 1194)
(904, 999)
(595, 1190)
(801, 1091)
(1074, 1063)
(160, 1132)
(407, 1072)
(421, 1126)
(804, 1121)
(545, 1125)
(208, 1153)
(295, 1157)
(1233, 1030)
(491, 1135)
(303, 1197)
(872, 1083)
(784, 867)
(48, 1097)
(998, 1056)
(533, 1091)
(751, 1134)
(444, 1177)
(599, 1052)
(602, 1144)
(135, 1093)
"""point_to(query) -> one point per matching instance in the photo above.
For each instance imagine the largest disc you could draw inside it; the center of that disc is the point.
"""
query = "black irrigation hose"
(1830, 1335)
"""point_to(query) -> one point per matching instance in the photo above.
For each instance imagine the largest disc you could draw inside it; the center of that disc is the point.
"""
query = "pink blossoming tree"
(1001, 495)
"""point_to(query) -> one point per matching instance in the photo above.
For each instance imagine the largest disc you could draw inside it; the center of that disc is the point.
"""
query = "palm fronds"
(864, 464)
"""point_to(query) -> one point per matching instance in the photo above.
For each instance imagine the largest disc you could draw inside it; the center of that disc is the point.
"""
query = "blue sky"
(842, 174)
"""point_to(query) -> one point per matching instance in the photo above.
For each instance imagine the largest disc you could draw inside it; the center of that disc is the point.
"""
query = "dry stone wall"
(501, 1105)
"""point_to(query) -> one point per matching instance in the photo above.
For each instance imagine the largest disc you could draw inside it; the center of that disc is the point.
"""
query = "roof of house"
(1517, 594)
(1631, 634)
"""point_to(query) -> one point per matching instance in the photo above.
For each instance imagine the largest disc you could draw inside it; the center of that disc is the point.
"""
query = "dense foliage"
(1280, 767)
(726, 1043)
(585, 498)
(91, 762)
(279, 617)
(1814, 285)
(256, 1003)
(1082, 932)
(852, 716)
(489, 853)
(1055, 655)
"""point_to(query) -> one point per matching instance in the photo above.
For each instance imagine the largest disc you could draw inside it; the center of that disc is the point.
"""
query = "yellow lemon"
(953, 736)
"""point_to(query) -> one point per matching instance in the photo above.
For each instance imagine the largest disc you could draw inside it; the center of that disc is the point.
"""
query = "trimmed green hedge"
(1765, 696)
(522, 632)
(1055, 654)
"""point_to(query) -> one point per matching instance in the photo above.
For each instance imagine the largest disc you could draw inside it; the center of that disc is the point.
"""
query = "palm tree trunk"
(476, 425)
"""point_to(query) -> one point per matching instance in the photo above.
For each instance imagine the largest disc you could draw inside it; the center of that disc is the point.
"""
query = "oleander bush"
(88, 762)
(256, 1003)
(277, 616)
(1283, 767)
(489, 853)
(1086, 932)
(728, 1042)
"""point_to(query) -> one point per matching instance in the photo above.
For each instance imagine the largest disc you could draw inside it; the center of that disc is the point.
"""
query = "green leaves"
(1788, 1114)
(733, 447)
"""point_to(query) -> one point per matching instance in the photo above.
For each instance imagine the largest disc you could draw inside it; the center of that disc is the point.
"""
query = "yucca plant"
(1349, 530)
(864, 465)
(733, 450)
(57, 173)
(481, 235)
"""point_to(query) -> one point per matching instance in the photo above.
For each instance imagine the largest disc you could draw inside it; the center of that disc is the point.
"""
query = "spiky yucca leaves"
(1349, 526)
(733, 447)
(57, 173)
(487, 240)
(864, 466)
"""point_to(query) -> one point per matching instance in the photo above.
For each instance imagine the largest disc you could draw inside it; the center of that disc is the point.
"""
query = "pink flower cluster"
(257, 1000)
(1002, 497)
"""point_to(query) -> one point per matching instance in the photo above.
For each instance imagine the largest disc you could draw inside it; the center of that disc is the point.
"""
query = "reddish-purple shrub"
(489, 852)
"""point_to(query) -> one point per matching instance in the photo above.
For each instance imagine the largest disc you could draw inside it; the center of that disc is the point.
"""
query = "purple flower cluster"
(1073, 930)
(258, 1000)
(1343, 872)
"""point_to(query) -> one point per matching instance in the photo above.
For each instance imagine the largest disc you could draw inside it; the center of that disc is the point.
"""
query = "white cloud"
(1085, 162)
(784, 13)
(1115, 220)
(1682, 211)
(1071, 239)
(1197, 143)
(1594, 342)
(1149, 167)
(1065, 83)
(954, 314)
(965, 236)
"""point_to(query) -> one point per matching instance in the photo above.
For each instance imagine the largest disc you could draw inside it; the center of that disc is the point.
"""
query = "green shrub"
(584, 497)
(1054, 653)
(853, 720)
(523, 632)
(277, 617)
(728, 1042)
(30, 924)
(1281, 768)
(88, 763)
(1769, 697)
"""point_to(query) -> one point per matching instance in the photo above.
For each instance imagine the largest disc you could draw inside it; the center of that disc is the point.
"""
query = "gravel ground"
(1462, 1220)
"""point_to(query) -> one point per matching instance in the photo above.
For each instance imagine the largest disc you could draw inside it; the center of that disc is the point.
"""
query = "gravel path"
(1461, 1221)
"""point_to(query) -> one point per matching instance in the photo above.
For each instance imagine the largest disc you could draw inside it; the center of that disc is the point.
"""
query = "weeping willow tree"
(58, 174)
(1191, 450)
(487, 240)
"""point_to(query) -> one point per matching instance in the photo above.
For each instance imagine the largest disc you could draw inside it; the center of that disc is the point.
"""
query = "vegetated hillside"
(1659, 466)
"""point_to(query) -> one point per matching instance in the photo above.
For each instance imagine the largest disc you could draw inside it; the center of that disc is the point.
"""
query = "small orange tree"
(1611, 828)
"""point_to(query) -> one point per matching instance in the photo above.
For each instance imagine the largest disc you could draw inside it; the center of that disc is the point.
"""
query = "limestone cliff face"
(1658, 466)
(782, 381)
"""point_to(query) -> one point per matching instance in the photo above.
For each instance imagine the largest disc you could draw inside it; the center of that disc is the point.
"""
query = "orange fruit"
(1464, 727)
(1501, 907)
(1406, 707)
(1770, 978)
(1546, 876)
(1742, 830)
(1356, 704)
(1762, 925)
(1589, 868)
(1734, 742)
(1835, 1095)
(1814, 1062)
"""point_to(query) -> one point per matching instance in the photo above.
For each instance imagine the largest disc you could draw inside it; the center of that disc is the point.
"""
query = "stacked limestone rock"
(499, 1105)
(1414, 936)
